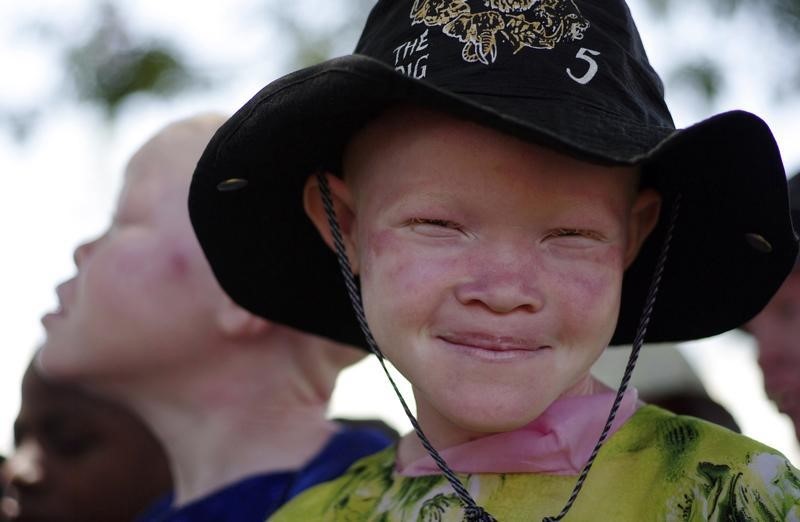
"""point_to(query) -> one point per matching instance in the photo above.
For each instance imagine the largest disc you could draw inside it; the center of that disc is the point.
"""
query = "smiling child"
(506, 182)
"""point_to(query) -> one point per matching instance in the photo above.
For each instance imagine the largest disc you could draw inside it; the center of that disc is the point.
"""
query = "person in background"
(2, 489)
(79, 457)
(777, 332)
(664, 378)
(239, 402)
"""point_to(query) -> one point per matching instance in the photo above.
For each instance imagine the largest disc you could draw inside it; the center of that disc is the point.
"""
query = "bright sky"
(58, 188)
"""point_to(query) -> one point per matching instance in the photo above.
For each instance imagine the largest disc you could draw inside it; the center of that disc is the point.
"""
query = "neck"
(211, 449)
(444, 434)
(246, 411)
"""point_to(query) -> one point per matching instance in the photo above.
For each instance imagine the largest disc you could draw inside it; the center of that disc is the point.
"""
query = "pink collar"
(558, 442)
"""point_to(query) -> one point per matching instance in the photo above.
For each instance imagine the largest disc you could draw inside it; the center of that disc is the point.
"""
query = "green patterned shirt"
(658, 467)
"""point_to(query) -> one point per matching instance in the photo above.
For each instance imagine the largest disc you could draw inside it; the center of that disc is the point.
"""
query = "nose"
(83, 251)
(24, 467)
(771, 354)
(502, 283)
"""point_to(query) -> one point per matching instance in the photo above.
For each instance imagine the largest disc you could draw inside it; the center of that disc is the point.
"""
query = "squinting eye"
(574, 232)
(72, 445)
(434, 227)
(436, 222)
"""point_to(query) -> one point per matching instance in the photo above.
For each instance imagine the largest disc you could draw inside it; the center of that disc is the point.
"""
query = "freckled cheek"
(400, 279)
(589, 298)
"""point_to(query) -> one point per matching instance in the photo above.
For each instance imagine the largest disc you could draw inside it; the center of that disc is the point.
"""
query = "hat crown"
(585, 54)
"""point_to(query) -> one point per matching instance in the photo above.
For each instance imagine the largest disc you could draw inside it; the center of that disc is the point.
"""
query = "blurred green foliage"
(107, 81)
(705, 77)
(112, 65)
(310, 41)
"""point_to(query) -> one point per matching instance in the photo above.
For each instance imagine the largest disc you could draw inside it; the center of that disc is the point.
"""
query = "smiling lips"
(60, 310)
(490, 346)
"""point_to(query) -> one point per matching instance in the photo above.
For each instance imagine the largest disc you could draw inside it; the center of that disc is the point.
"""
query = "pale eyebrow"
(590, 211)
(423, 199)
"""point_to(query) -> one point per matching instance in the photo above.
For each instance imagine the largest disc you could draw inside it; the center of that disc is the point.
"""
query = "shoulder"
(710, 469)
(684, 436)
(370, 476)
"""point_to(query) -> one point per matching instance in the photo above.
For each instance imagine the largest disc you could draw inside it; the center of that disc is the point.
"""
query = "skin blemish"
(179, 263)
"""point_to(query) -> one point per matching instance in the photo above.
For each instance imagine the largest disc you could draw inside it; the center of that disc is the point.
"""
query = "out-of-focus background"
(84, 82)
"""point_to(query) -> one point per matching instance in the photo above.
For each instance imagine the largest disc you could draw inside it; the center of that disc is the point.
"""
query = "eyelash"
(435, 222)
(567, 232)
(559, 232)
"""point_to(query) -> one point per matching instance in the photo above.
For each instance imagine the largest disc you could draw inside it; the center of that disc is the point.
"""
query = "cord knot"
(476, 513)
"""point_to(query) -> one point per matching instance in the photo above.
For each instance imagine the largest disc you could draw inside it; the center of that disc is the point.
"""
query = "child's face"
(143, 292)
(79, 458)
(491, 269)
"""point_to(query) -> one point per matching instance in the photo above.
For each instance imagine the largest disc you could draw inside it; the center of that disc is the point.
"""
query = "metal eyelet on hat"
(229, 185)
(758, 242)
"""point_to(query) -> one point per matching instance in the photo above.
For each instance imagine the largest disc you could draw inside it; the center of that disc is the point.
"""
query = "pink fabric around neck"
(558, 442)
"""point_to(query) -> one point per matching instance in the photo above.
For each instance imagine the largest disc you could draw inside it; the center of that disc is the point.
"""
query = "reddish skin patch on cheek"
(178, 264)
(392, 262)
(378, 242)
(401, 268)
(589, 284)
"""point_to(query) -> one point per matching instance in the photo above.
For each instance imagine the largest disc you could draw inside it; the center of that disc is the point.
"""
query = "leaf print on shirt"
(767, 490)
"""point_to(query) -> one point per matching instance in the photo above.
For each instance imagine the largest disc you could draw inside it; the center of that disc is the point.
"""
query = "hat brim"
(268, 257)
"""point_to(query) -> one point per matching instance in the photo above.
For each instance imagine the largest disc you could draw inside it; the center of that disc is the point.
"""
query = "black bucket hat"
(568, 74)
(794, 205)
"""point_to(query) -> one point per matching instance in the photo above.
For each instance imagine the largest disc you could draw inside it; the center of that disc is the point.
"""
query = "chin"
(491, 425)
(56, 362)
(485, 413)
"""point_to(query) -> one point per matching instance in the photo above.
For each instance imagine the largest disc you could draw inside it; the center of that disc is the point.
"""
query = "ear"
(236, 322)
(343, 207)
(644, 216)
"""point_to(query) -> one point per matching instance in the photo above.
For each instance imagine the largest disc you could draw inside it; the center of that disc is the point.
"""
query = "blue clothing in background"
(256, 498)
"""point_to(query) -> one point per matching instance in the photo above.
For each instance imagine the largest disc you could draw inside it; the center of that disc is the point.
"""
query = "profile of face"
(490, 268)
(143, 292)
(777, 332)
(77, 458)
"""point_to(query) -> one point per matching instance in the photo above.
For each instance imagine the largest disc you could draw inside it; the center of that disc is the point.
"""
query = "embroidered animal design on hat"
(536, 24)
(478, 30)
(437, 12)
(508, 6)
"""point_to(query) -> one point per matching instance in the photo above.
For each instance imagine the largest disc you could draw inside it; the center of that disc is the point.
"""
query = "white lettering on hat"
(582, 55)
(407, 57)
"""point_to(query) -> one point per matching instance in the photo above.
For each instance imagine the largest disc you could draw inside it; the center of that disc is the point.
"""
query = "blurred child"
(79, 457)
(505, 180)
(239, 402)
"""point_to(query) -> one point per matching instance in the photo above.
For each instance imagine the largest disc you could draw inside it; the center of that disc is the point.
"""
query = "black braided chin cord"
(472, 511)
